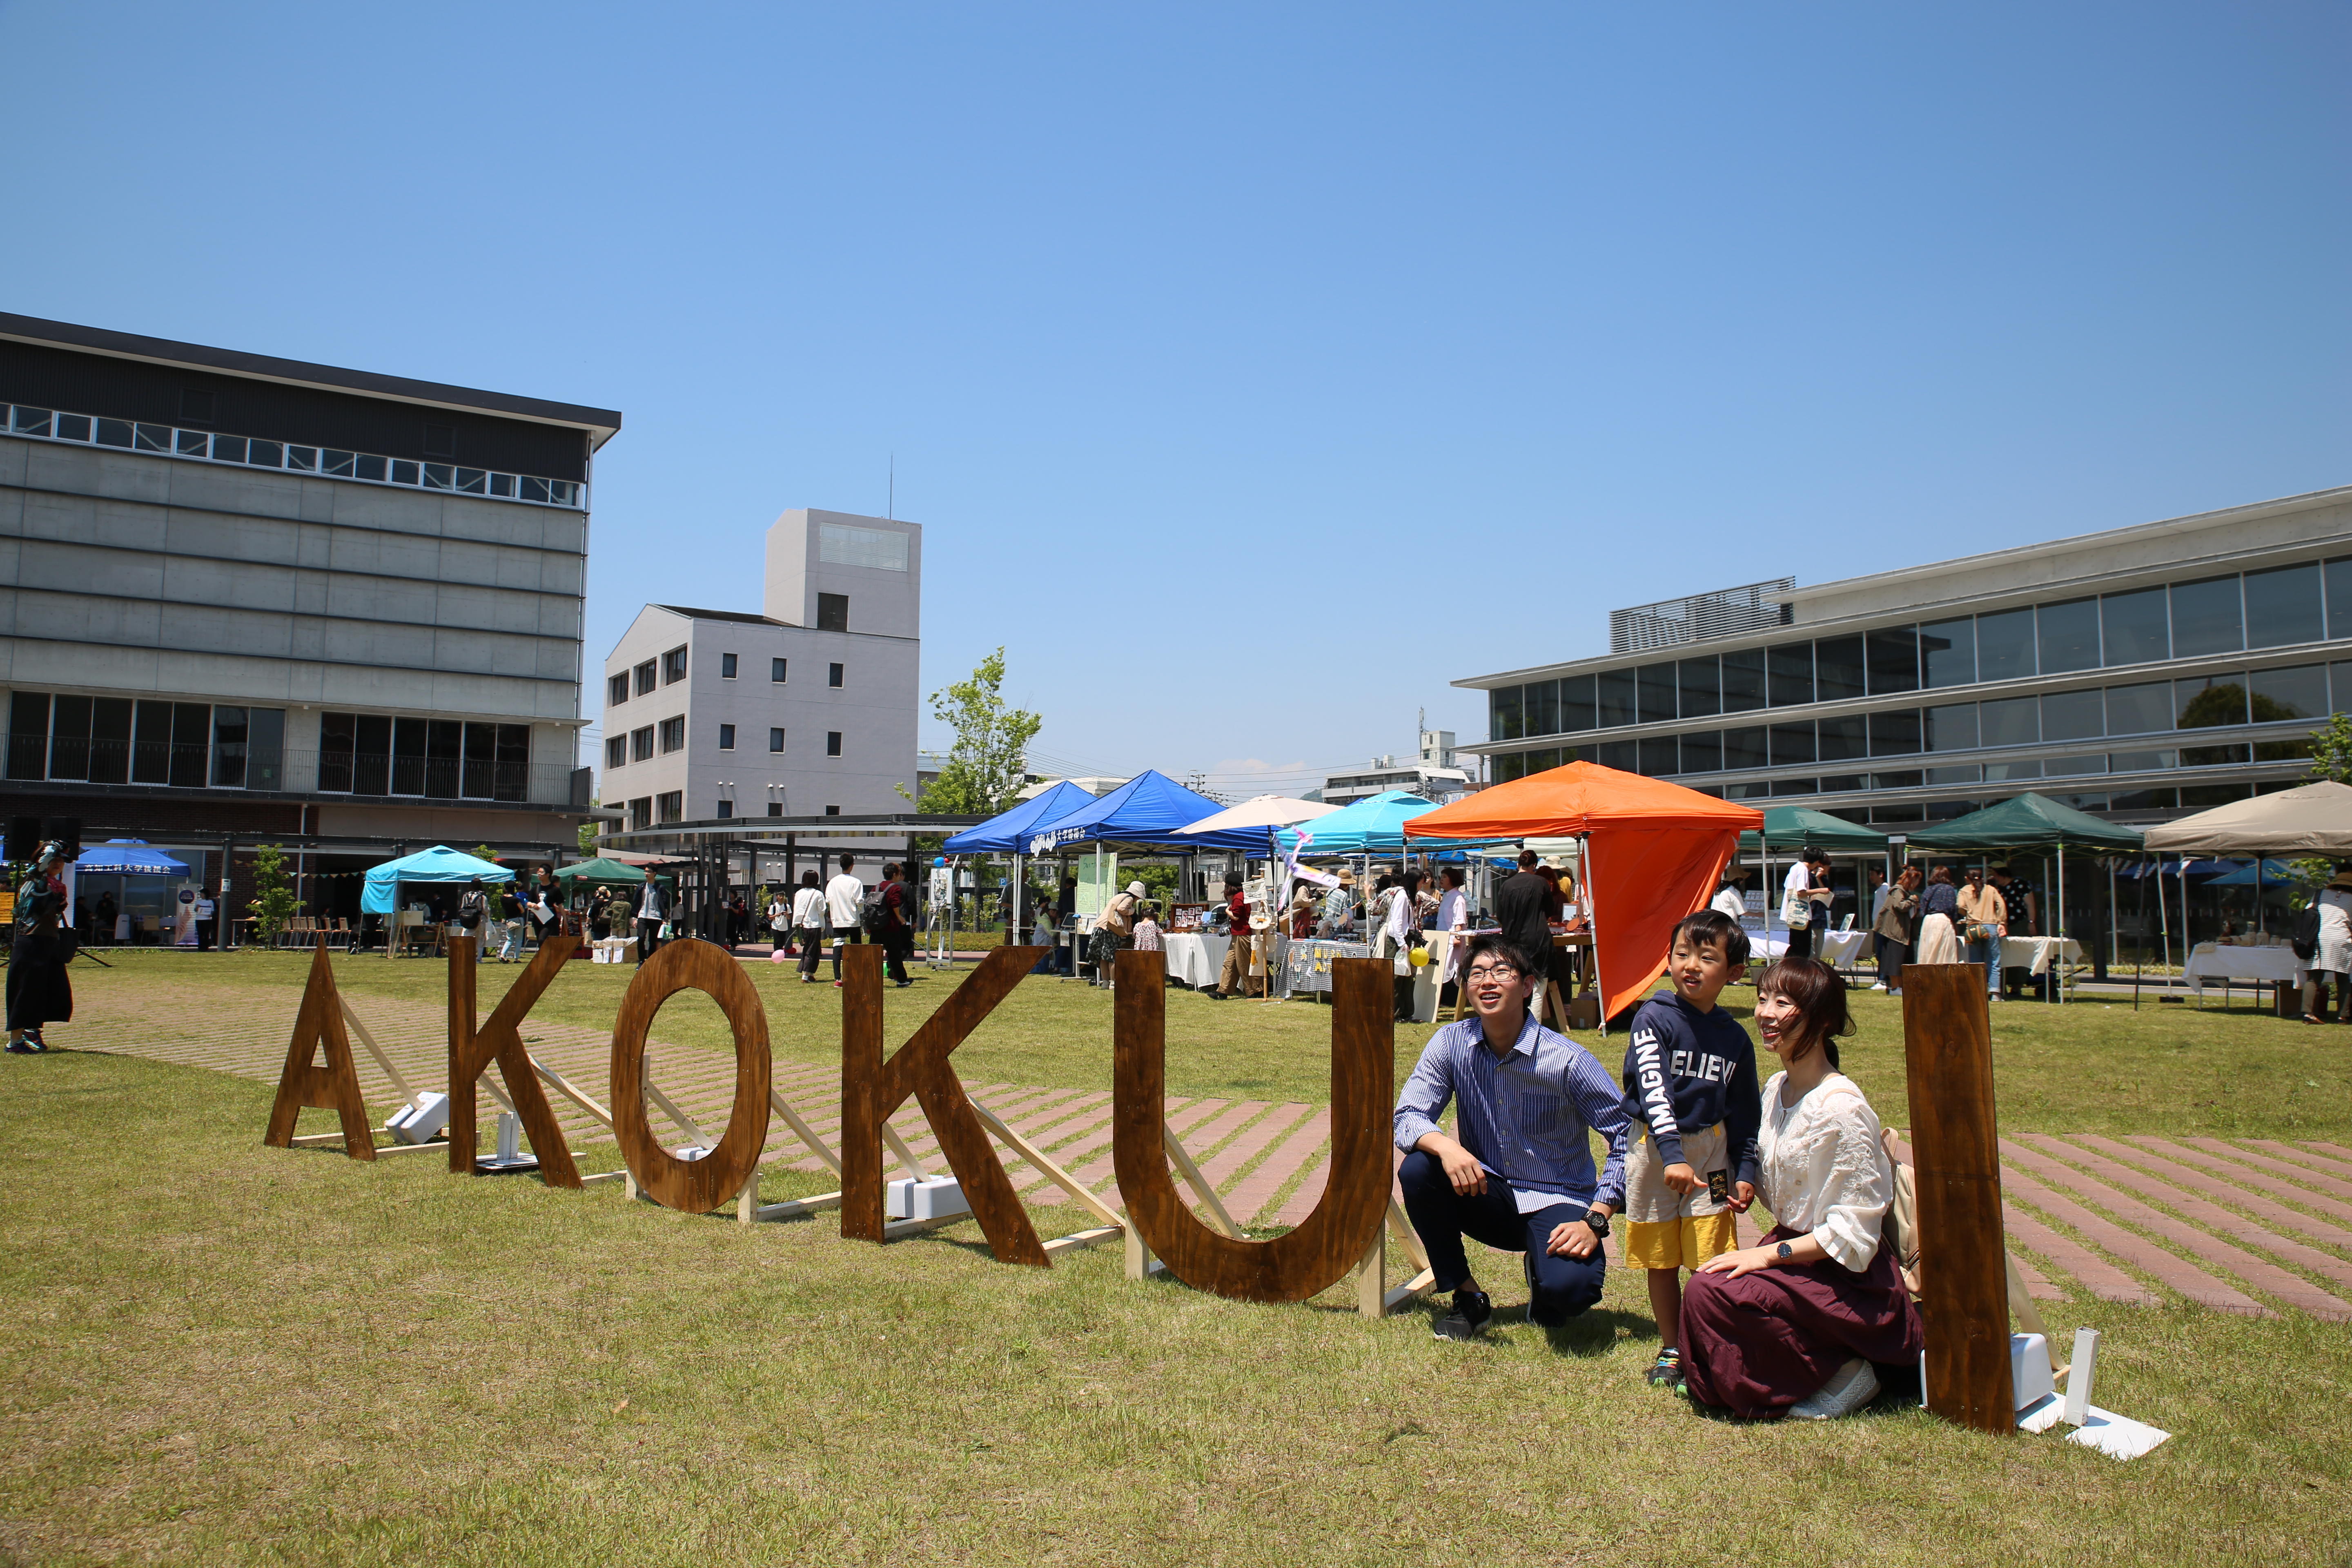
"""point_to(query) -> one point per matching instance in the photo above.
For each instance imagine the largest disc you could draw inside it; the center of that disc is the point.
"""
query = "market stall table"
(1195, 958)
(2261, 965)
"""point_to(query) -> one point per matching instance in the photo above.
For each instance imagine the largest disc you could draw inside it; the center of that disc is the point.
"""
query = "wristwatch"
(1784, 1252)
(1598, 1221)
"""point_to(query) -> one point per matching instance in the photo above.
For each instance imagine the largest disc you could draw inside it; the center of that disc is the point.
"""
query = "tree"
(988, 765)
(2331, 749)
(273, 905)
(588, 832)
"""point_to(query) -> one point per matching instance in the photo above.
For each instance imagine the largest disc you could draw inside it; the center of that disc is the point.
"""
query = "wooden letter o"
(694, 1186)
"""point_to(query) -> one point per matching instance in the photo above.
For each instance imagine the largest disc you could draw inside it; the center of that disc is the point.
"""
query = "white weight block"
(420, 1122)
(509, 1136)
(2029, 1369)
(933, 1197)
(2079, 1378)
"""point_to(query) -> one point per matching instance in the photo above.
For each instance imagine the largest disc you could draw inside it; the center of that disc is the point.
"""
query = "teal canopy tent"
(1374, 825)
(439, 863)
(1794, 826)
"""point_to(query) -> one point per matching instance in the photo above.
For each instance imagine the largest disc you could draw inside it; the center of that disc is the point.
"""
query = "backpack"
(871, 915)
(469, 909)
(2305, 940)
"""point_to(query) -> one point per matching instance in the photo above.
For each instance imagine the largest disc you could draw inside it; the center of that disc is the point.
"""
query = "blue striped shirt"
(1526, 1116)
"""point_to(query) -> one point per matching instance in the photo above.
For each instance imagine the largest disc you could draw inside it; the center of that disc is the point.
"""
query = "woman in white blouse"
(1792, 1327)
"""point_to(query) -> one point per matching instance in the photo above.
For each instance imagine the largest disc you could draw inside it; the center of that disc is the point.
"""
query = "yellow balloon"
(1418, 958)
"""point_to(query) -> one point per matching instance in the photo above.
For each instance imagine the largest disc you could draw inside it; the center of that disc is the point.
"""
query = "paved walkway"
(2255, 1227)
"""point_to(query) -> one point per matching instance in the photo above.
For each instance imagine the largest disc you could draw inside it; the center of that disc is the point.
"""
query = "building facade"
(1435, 775)
(248, 598)
(806, 710)
(2139, 674)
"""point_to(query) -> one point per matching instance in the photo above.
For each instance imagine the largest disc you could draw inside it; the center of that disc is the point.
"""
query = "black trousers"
(1558, 1288)
(1800, 941)
(648, 939)
(1892, 956)
(842, 937)
(898, 946)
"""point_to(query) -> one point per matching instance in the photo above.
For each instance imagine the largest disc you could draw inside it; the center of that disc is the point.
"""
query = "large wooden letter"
(335, 1086)
(1315, 1256)
(872, 1089)
(1963, 1284)
(692, 1186)
(500, 1040)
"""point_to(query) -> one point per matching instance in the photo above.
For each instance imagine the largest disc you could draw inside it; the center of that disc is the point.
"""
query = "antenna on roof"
(890, 509)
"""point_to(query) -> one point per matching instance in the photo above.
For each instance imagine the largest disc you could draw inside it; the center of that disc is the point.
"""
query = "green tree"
(588, 832)
(988, 765)
(273, 904)
(2331, 749)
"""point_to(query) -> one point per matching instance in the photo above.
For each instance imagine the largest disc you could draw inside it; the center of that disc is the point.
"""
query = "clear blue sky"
(1256, 371)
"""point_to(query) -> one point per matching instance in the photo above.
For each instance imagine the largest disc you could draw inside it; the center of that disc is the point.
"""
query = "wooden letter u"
(1319, 1252)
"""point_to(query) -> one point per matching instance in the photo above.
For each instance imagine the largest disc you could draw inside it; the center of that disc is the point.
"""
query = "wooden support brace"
(1082, 1238)
(1043, 1163)
(406, 1090)
(1140, 1264)
(794, 1208)
(807, 1134)
(316, 1139)
(603, 1176)
(562, 1086)
(899, 1227)
(905, 1155)
(1199, 1183)
(669, 1108)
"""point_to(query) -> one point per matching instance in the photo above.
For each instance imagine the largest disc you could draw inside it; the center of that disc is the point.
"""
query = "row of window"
(438, 759)
(1664, 759)
(252, 452)
(2301, 692)
(639, 745)
(2276, 608)
(652, 810)
(2194, 797)
(670, 669)
(122, 740)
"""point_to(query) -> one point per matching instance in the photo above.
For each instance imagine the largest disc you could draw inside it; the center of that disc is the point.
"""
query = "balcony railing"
(192, 765)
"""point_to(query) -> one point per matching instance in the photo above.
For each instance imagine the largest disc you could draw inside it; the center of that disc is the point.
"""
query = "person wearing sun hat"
(2332, 961)
(1114, 930)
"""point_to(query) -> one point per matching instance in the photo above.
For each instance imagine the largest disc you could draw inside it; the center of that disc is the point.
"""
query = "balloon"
(1418, 958)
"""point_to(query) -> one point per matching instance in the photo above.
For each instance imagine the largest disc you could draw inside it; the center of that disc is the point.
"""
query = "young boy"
(1690, 1088)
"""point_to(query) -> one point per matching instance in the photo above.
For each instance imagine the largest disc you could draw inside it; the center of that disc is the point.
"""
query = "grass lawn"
(226, 1354)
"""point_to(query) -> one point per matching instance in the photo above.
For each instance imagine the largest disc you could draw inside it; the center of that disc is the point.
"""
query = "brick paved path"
(2256, 1228)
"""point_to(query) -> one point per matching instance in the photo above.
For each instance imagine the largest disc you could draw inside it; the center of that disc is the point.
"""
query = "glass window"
(2095, 802)
(472, 482)
(2136, 627)
(2300, 692)
(617, 689)
(69, 739)
(832, 674)
(647, 675)
(2202, 796)
(1508, 768)
(2339, 598)
(1795, 786)
(503, 485)
(152, 438)
(1791, 666)
(833, 612)
(73, 427)
(616, 752)
(1894, 660)
(1837, 669)
(1623, 755)
(372, 754)
(726, 666)
(726, 809)
(445, 754)
(2339, 678)
(1743, 680)
(776, 670)
(1792, 743)
(2003, 772)
(1703, 753)
(114, 432)
(481, 760)
(28, 734)
(1503, 721)
(2282, 751)
(1702, 688)
(362, 467)
(672, 667)
(2205, 618)
(1576, 703)
(534, 489)
(2005, 645)
(641, 812)
(2144, 800)
(2069, 636)
(229, 448)
(1746, 791)
(1539, 707)
(1656, 688)
(2282, 606)
(2073, 715)
(1959, 772)
(726, 737)
(109, 743)
(670, 807)
(403, 473)
(1845, 784)
(833, 743)
(437, 476)
(776, 739)
(1658, 757)
(32, 421)
(1895, 733)
(2214, 756)
(1743, 749)
(1952, 728)
(673, 734)
(641, 744)
(193, 444)
(1615, 691)
(1910, 779)
(2213, 702)
(1843, 738)
(2015, 721)
(229, 747)
(2139, 709)
(2061, 767)
(2142, 762)
(306, 460)
(337, 742)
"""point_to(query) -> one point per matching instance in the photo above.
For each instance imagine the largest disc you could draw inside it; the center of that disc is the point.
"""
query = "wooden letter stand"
(471, 1050)
(726, 1171)
(1963, 1286)
(333, 1086)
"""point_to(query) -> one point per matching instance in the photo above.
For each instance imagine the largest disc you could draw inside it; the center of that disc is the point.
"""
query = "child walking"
(1690, 1089)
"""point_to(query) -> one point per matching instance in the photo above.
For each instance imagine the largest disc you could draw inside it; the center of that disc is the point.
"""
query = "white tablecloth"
(1195, 958)
(1307, 966)
(2033, 954)
(2263, 965)
(1839, 949)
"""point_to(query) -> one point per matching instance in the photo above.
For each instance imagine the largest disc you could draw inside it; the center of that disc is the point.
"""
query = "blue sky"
(1256, 371)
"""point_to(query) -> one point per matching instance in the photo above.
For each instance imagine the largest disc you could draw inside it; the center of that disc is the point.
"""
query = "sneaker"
(837, 984)
(1880, 985)
(1471, 1311)
(22, 1047)
(1666, 1371)
(1850, 1388)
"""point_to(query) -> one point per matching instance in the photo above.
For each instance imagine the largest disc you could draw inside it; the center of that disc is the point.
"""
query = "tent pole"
(2059, 927)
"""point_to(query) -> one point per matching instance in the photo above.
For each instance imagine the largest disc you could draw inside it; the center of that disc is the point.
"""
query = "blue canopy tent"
(129, 858)
(1143, 813)
(2275, 874)
(438, 864)
(1002, 833)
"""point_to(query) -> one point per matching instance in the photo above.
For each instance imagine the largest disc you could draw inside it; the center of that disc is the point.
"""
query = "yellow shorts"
(1684, 1243)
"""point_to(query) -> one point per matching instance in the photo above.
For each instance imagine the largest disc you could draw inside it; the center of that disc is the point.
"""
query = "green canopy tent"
(2033, 822)
(599, 870)
(1794, 827)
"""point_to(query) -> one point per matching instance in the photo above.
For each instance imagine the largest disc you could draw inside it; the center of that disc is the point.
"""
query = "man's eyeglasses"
(1500, 972)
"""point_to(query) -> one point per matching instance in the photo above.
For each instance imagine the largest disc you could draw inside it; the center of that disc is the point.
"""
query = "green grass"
(224, 1353)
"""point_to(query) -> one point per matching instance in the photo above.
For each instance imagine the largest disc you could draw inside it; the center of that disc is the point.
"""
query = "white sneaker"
(1880, 985)
(1850, 1388)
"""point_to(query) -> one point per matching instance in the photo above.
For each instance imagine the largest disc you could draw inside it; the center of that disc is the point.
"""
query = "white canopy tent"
(2310, 819)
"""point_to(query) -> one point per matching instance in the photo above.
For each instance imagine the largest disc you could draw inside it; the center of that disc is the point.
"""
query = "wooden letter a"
(334, 1087)
(500, 1040)
(1316, 1255)
(871, 1089)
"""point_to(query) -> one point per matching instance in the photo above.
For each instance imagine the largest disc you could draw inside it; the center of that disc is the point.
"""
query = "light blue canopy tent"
(2275, 875)
(1143, 813)
(1003, 833)
(128, 857)
(1373, 824)
(438, 864)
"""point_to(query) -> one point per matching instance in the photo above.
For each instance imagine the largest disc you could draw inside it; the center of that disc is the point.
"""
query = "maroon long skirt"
(1759, 1343)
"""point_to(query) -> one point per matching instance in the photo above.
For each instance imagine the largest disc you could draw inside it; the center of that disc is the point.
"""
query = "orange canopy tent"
(1654, 852)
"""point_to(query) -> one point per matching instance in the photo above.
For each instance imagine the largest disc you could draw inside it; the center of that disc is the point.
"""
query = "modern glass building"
(2138, 673)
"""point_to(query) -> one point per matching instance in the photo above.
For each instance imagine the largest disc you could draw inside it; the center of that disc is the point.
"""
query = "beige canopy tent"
(2310, 819)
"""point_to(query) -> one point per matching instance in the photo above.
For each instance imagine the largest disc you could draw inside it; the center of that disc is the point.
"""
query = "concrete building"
(807, 709)
(2138, 673)
(250, 598)
(1433, 775)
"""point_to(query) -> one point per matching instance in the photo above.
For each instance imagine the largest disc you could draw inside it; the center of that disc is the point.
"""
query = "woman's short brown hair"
(1819, 992)
(1941, 875)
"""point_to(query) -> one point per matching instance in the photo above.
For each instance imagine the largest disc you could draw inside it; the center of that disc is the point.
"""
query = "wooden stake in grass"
(872, 1089)
(471, 1050)
(1963, 1276)
(719, 1177)
(305, 1081)
(1346, 1224)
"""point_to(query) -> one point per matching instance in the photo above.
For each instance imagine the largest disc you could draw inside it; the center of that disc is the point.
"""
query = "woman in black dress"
(38, 991)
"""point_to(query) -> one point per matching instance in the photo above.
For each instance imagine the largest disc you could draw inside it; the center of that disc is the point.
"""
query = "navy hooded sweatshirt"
(1685, 1068)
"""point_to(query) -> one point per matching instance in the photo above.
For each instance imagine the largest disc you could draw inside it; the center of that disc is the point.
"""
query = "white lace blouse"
(1825, 1169)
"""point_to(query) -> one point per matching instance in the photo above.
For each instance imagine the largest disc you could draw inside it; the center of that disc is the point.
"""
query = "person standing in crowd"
(1731, 898)
(1892, 929)
(1796, 1325)
(777, 916)
(1521, 909)
(1878, 893)
(1425, 901)
(1805, 898)
(38, 990)
(1984, 920)
(2023, 902)
(1517, 1177)
(473, 911)
(845, 905)
(652, 909)
(807, 921)
(1302, 916)
(2332, 958)
(1147, 929)
(1234, 976)
(106, 913)
(1339, 907)
(1939, 906)
(1452, 918)
(1114, 930)
(1398, 927)
(600, 917)
(898, 925)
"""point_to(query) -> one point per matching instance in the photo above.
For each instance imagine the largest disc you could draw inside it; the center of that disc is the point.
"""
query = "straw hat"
(1346, 878)
(1136, 888)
